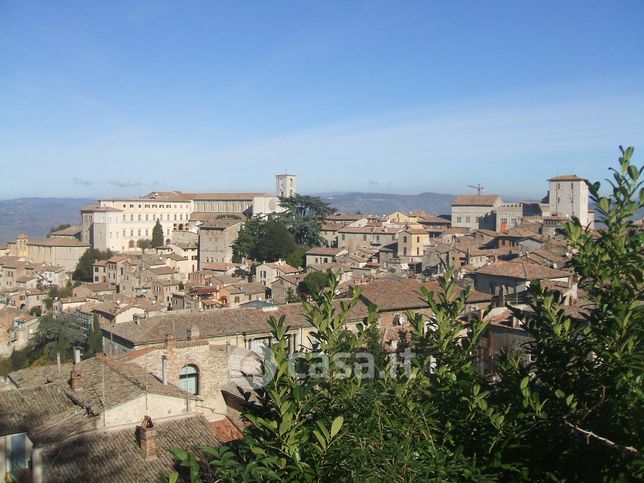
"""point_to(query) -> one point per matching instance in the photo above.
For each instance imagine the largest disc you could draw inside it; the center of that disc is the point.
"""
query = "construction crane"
(477, 187)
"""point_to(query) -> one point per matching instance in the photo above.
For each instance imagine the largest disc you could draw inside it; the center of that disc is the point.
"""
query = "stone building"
(285, 185)
(216, 240)
(568, 197)
(117, 224)
(475, 211)
(49, 251)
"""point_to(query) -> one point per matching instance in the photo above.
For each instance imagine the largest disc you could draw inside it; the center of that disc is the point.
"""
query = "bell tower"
(285, 185)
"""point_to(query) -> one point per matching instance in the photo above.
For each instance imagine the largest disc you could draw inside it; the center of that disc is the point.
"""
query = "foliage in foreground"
(573, 413)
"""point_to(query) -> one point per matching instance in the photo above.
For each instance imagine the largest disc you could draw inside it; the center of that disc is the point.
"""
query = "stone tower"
(285, 185)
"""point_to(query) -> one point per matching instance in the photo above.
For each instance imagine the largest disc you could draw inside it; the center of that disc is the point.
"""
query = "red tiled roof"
(522, 270)
(476, 200)
(567, 177)
(406, 294)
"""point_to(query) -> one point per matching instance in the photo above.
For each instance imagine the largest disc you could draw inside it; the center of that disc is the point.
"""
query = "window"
(189, 379)
(418, 239)
(458, 219)
(19, 452)
(405, 239)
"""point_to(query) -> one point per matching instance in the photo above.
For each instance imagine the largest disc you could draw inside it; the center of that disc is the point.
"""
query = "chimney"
(164, 370)
(170, 342)
(75, 380)
(193, 332)
(77, 355)
(147, 436)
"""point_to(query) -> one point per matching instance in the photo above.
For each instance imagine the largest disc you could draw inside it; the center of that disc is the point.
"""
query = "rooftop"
(215, 323)
(567, 177)
(476, 200)
(57, 242)
(522, 270)
(405, 294)
(101, 456)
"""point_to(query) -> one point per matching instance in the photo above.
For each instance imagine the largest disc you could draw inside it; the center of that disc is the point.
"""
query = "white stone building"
(568, 197)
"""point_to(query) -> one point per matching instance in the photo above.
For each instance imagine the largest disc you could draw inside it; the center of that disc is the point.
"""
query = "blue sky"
(119, 98)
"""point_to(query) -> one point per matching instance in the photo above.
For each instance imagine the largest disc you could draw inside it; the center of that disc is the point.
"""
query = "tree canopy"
(313, 284)
(264, 241)
(157, 235)
(568, 407)
(303, 216)
(84, 271)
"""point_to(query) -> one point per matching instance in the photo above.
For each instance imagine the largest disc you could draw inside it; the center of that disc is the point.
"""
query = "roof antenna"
(479, 189)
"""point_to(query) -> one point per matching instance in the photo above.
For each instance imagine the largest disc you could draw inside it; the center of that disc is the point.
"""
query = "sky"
(119, 98)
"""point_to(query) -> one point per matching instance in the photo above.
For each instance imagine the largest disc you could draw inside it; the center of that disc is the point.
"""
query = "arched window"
(189, 379)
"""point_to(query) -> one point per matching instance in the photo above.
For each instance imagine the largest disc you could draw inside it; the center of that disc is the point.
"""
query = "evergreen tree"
(275, 243)
(84, 271)
(157, 235)
(95, 339)
(303, 216)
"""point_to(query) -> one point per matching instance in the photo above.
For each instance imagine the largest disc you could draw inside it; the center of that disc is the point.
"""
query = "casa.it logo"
(252, 369)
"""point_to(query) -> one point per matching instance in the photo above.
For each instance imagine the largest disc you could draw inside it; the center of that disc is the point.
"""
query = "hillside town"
(170, 315)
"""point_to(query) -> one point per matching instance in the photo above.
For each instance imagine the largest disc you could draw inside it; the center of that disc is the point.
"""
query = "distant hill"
(383, 203)
(36, 216)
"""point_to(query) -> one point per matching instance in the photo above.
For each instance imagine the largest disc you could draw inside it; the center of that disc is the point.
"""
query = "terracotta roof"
(327, 251)
(282, 267)
(567, 177)
(220, 196)
(206, 216)
(69, 231)
(219, 224)
(520, 233)
(99, 287)
(522, 270)
(164, 270)
(216, 323)
(123, 381)
(98, 208)
(405, 294)
(57, 242)
(101, 456)
(378, 230)
(415, 231)
(226, 431)
(476, 200)
(24, 410)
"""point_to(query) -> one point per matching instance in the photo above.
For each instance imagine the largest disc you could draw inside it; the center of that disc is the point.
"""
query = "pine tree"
(157, 235)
